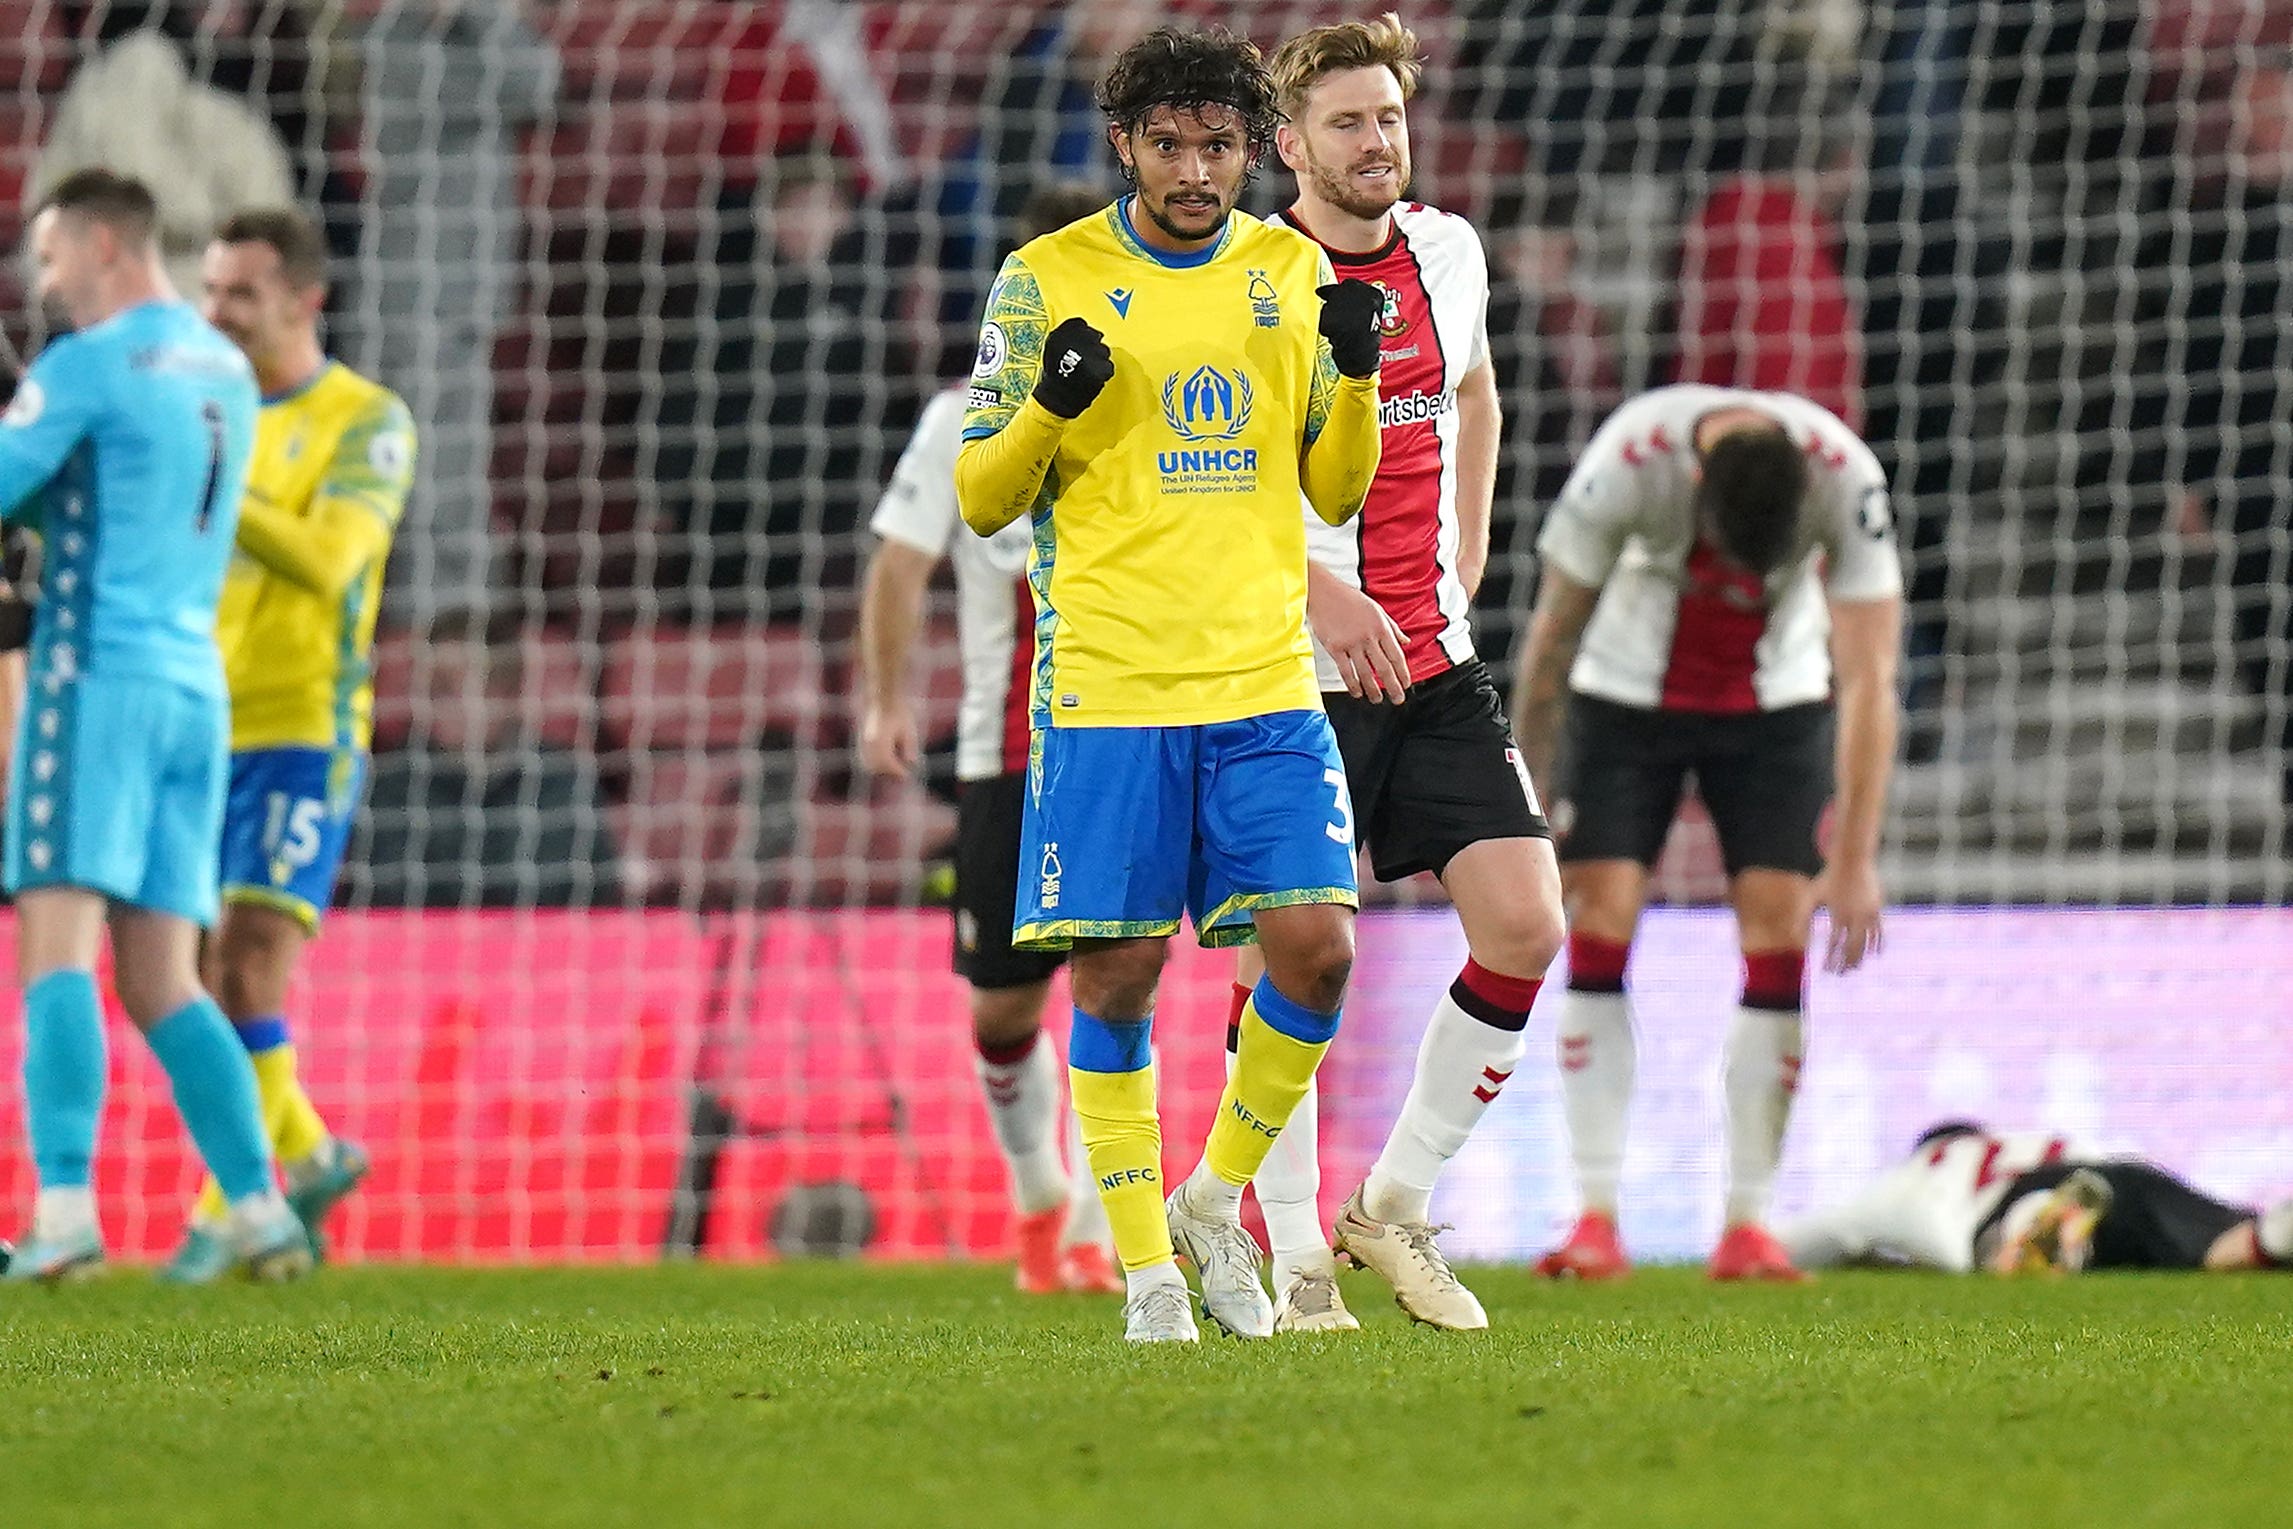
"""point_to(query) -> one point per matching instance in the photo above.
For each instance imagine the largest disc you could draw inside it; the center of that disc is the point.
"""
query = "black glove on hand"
(1076, 365)
(20, 597)
(1351, 312)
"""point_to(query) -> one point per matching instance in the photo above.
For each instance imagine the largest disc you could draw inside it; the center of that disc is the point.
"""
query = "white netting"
(666, 282)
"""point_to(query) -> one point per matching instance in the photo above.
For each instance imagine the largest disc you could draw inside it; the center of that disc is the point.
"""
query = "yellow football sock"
(1282, 1044)
(288, 1114)
(1112, 1088)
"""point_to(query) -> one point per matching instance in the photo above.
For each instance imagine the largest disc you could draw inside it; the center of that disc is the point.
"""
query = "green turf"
(823, 1394)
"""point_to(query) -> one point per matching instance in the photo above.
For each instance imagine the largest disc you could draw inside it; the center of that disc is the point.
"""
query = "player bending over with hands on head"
(1155, 387)
(1722, 598)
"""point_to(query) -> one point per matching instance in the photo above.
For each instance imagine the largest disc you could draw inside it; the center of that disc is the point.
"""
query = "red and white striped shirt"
(994, 610)
(1677, 628)
(1402, 549)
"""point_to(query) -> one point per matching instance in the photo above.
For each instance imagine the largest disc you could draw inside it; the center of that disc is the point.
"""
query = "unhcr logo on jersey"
(1207, 405)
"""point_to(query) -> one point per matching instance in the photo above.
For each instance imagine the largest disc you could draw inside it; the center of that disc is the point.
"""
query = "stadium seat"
(561, 688)
(394, 700)
(873, 850)
(712, 688)
(635, 50)
(698, 828)
(21, 123)
(35, 53)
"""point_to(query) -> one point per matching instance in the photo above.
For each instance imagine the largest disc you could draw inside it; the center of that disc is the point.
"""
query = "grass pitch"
(891, 1396)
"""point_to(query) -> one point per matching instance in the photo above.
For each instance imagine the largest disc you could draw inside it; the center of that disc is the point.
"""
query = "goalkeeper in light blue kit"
(126, 447)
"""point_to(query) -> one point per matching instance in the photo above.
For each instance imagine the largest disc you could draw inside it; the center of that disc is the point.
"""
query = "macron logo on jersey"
(1119, 299)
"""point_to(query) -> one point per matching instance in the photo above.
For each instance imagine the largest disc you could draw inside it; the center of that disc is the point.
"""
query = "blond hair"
(1311, 57)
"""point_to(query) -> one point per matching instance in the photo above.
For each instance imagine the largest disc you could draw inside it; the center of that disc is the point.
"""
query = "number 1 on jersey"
(212, 413)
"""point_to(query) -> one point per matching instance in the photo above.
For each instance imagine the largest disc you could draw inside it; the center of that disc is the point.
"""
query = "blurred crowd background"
(665, 283)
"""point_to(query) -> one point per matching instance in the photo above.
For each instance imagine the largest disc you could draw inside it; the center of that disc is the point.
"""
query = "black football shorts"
(1764, 776)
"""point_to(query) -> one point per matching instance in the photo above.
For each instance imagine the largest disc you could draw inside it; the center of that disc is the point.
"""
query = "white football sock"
(1462, 1065)
(1023, 1107)
(58, 1214)
(1598, 1060)
(2273, 1229)
(1761, 1076)
(1137, 1281)
(1289, 1188)
(1209, 1195)
(1086, 1212)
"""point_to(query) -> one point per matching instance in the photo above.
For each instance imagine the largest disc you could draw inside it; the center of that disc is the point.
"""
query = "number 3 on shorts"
(1343, 805)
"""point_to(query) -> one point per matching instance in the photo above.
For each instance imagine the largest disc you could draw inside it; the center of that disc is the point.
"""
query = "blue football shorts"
(287, 825)
(1128, 828)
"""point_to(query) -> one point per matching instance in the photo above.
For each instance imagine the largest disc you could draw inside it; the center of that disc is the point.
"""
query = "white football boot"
(1160, 1314)
(1310, 1303)
(1405, 1256)
(1226, 1257)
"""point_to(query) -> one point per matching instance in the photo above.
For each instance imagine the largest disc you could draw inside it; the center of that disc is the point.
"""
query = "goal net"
(633, 957)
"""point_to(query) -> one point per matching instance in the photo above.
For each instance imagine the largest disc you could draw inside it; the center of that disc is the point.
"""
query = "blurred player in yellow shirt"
(334, 454)
(1156, 387)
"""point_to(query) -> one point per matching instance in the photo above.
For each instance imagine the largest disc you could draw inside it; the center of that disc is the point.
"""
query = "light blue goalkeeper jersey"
(129, 443)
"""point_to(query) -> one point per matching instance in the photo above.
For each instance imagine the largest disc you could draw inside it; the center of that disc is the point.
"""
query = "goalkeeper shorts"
(118, 788)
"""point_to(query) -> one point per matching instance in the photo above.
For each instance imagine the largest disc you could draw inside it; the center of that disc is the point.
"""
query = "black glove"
(1351, 313)
(1076, 365)
(20, 594)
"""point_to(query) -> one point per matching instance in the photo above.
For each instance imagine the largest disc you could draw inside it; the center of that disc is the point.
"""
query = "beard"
(1337, 188)
(1162, 218)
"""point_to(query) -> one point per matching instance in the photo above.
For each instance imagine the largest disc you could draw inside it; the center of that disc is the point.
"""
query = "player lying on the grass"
(1063, 1239)
(1155, 386)
(334, 455)
(1436, 782)
(1969, 1199)
(129, 440)
(1721, 596)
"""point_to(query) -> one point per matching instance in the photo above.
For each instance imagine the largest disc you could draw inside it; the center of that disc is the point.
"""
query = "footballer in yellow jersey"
(1156, 385)
(334, 455)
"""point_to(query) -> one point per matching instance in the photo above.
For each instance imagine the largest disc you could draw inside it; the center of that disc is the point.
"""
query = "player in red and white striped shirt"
(1436, 782)
(1063, 1237)
(1721, 597)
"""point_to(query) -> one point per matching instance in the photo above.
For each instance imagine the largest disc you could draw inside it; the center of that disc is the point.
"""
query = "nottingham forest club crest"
(1265, 307)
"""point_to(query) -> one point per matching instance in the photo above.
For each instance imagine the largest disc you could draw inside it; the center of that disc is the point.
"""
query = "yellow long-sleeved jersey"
(333, 462)
(1169, 565)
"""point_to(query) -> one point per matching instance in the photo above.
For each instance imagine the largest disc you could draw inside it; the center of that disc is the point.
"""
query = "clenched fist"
(1351, 312)
(1076, 366)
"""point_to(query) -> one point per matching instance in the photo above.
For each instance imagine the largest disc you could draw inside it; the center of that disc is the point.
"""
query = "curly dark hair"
(1187, 70)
